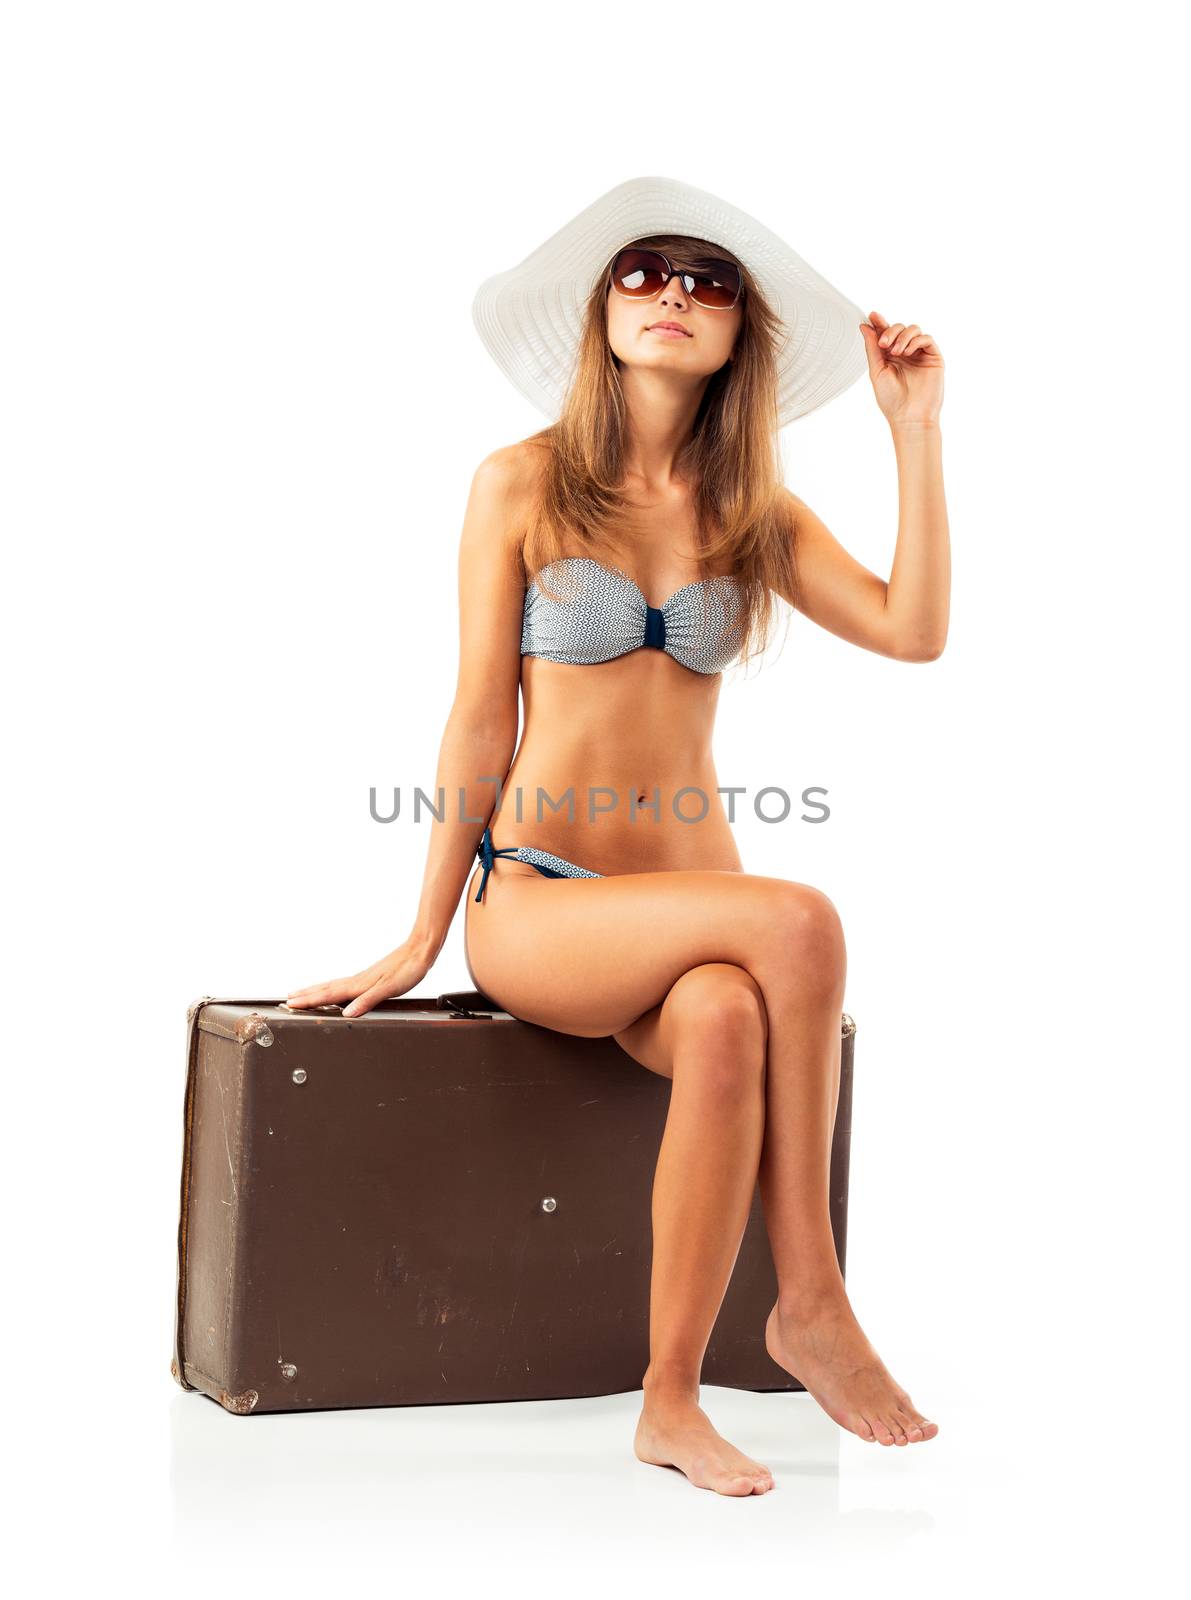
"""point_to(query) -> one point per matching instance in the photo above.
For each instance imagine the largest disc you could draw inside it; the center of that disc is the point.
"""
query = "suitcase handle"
(468, 1003)
(464, 1004)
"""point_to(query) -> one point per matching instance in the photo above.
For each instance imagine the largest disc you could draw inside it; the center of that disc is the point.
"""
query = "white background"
(242, 403)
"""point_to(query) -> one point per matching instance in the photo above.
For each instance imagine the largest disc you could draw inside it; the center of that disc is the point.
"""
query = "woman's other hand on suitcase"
(392, 975)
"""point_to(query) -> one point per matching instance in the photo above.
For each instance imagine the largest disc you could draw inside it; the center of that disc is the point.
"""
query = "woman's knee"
(808, 936)
(716, 1017)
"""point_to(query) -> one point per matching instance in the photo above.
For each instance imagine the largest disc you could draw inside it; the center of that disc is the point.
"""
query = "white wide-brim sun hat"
(531, 316)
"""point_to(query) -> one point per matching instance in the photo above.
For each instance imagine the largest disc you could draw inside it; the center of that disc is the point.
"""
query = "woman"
(611, 566)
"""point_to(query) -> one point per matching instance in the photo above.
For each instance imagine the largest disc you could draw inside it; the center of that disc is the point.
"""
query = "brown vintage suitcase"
(435, 1202)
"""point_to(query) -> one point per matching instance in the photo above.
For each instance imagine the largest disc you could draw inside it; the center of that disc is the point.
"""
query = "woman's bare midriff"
(614, 771)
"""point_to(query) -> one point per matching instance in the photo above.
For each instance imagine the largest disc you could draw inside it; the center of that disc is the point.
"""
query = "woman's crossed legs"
(732, 986)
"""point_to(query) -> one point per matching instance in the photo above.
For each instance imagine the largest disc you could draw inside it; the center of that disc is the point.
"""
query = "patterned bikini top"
(585, 613)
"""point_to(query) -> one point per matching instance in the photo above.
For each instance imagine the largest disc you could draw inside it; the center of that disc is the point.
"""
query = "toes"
(916, 1425)
(725, 1481)
(864, 1431)
(901, 1425)
(911, 1427)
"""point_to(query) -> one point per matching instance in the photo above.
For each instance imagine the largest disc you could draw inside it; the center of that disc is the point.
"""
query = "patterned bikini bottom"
(549, 865)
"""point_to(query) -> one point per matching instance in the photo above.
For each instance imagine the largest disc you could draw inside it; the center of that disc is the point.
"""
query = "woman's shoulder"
(507, 489)
(516, 469)
(511, 479)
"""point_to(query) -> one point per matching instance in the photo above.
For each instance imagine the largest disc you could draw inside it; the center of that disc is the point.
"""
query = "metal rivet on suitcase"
(288, 1371)
(549, 1203)
(299, 1074)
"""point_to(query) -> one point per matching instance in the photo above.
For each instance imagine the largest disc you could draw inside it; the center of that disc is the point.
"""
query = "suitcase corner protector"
(238, 1404)
(253, 1029)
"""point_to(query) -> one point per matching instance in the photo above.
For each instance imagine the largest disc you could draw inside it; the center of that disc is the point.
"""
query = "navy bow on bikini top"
(584, 613)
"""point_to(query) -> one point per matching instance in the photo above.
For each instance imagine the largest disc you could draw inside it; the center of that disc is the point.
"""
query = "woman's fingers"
(921, 341)
(392, 975)
(379, 991)
(899, 345)
(900, 338)
(356, 995)
(324, 994)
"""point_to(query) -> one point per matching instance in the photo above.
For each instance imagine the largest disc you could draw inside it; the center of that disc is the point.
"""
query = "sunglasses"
(643, 274)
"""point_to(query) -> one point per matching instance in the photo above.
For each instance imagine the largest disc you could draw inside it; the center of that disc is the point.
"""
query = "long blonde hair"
(732, 457)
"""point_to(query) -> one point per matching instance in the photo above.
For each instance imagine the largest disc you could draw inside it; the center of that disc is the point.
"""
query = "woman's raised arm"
(905, 617)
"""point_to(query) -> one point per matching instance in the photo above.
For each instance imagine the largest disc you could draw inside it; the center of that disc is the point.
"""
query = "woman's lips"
(669, 333)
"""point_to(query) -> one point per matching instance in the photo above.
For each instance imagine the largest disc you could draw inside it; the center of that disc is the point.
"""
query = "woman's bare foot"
(817, 1339)
(675, 1431)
